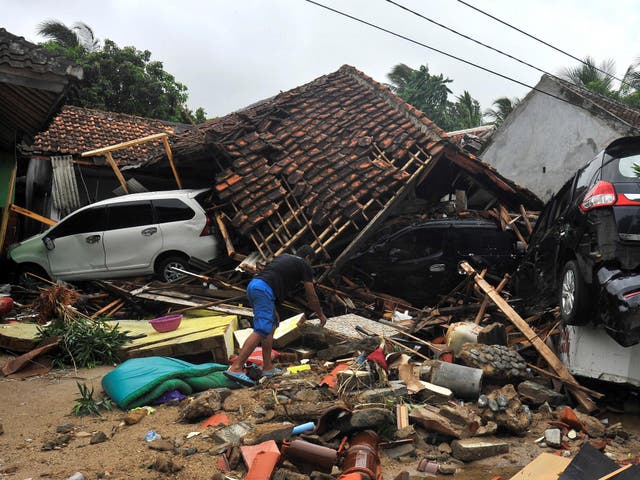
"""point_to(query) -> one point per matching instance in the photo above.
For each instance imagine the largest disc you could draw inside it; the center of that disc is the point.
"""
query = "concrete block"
(470, 449)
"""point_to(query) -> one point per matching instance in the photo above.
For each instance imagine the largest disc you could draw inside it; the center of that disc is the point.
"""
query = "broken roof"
(32, 84)
(334, 151)
(76, 129)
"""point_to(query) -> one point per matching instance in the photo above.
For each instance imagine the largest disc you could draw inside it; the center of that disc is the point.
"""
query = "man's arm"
(314, 303)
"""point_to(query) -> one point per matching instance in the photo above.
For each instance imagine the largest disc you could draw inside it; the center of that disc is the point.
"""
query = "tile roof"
(32, 86)
(17, 53)
(336, 144)
(76, 129)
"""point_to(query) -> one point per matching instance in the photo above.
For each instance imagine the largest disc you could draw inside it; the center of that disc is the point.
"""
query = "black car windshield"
(622, 169)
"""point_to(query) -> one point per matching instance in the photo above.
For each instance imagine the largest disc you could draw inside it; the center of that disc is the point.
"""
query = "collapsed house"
(326, 163)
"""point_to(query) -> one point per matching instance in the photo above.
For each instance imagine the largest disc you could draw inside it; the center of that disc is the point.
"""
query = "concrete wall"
(544, 141)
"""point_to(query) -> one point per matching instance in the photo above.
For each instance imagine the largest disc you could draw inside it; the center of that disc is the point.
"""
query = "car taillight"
(208, 227)
(602, 194)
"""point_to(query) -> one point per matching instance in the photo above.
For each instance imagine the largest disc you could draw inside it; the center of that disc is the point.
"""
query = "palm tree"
(503, 106)
(598, 78)
(466, 111)
(79, 35)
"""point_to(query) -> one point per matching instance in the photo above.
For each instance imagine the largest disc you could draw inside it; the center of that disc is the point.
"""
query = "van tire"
(163, 268)
(27, 280)
(572, 295)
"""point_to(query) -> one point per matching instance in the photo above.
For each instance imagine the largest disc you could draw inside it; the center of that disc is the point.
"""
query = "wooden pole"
(542, 348)
(117, 171)
(32, 215)
(485, 302)
(167, 148)
(4, 222)
(527, 223)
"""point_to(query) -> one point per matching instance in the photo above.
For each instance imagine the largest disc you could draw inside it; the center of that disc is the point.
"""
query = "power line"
(545, 43)
(471, 38)
(390, 32)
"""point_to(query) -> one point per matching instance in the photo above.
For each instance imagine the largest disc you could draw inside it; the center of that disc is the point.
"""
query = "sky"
(232, 53)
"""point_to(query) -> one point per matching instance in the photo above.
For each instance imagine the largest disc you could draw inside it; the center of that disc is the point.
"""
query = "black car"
(419, 262)
(584, 252)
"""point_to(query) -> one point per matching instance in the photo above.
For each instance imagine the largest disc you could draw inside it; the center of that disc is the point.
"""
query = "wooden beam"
(32, 215)
(225, 234)
(527, 223)
(505, 217)
(380, 216)
(542, 348)
(120, 146)
(615, 473)
(4, 222)
(117, 171)
(485, 301)
(167, 149)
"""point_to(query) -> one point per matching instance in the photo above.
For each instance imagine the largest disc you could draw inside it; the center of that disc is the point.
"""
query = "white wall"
(544, 141)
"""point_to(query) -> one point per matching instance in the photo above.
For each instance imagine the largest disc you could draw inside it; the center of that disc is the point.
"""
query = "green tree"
(502, 107)
(430, 93)
(123, 80)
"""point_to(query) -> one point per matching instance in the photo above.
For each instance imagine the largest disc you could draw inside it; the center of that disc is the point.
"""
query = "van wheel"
(27, 280)
(165, 271)
(573, 296)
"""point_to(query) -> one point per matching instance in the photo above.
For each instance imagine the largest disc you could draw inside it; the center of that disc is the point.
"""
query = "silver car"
(137, 234)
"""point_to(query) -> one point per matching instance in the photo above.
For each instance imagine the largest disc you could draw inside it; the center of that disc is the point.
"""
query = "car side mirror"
(49, 243)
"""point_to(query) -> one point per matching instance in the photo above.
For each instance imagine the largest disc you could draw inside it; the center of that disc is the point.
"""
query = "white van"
(137, 234)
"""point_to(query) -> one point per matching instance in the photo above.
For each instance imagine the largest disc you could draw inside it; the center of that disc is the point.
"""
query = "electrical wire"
(442, 52)
(468, 62)
(470, 38)
(608, 74)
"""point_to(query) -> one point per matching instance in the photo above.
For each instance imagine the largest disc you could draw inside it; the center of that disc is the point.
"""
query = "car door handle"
(147, 232)
(437, 267)
(93, 239)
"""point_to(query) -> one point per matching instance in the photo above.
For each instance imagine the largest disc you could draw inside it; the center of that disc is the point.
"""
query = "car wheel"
(573, 295)
(27, 279)
(165, 268)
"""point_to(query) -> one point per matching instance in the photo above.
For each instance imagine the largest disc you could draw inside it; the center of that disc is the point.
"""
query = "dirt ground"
(31, 409)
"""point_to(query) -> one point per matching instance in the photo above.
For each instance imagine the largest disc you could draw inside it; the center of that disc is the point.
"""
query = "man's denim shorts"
(263, 301)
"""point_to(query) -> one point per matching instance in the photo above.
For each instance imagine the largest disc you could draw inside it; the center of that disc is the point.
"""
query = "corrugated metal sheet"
(65, 188)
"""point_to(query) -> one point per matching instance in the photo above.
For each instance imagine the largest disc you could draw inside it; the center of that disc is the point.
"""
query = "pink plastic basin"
(166, 324)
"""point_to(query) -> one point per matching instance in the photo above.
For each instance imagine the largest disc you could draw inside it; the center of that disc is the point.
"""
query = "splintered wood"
(554, 362)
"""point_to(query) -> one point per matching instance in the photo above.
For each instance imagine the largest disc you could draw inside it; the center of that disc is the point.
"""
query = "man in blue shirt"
(272, 285)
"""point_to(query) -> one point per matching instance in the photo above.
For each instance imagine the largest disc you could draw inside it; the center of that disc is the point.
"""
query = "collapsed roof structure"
(326, 162)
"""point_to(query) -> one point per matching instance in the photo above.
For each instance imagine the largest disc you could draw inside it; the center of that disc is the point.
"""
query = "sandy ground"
(30, 411)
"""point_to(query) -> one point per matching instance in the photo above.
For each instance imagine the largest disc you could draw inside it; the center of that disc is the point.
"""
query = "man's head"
(305, 251)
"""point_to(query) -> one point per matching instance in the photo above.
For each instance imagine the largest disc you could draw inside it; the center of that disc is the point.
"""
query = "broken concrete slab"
(470, 449)
(536, 394)
(431, 420)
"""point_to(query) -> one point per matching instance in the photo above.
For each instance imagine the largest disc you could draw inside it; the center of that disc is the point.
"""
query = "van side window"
(129, 214)
(90, 220)
(172, 210)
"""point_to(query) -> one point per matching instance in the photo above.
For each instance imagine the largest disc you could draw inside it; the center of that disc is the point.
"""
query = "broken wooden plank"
(167, 148)
(120, 146)
(231, 309)
(505, 217)
(32, 215)
(485, 301)
(527, 223)
(116, 170)
(550, 357)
